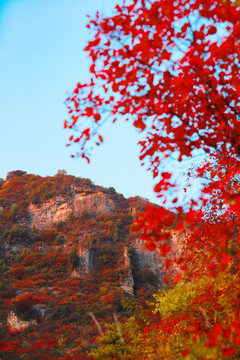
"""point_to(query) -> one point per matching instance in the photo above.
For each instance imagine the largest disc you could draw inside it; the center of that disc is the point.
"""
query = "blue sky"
(41, 60)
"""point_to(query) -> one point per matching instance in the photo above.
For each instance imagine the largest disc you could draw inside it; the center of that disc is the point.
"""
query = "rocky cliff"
(60, 207)
(71, 214)
(67, 251)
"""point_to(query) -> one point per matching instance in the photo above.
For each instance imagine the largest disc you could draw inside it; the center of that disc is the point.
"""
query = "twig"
(207, 323)
(118, 328)
(96, 323)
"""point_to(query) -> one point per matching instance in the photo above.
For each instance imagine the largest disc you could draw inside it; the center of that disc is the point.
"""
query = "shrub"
(60, 239)
(13, 174)
(73, 259)
(60, 224)
(13, 211)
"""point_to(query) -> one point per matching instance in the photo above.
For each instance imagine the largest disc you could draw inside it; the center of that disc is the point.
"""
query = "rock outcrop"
(87, 260)
(127, 283)
(147, 267)
(14, 323)
(59, 208)
(74, 211)
(141, 268)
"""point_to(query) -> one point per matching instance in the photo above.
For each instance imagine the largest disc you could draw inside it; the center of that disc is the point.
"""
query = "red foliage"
(172, 68)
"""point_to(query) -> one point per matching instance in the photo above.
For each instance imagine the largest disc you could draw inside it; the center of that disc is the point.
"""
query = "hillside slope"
(67, 253)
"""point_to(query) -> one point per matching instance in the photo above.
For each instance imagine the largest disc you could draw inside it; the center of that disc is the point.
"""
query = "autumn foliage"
(46, 288)
(171, 68)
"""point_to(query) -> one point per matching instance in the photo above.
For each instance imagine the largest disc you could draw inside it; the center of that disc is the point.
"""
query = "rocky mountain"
(67, 250)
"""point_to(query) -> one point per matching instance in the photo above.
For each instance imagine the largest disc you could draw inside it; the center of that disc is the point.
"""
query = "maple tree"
(181, 324)
(171, 68)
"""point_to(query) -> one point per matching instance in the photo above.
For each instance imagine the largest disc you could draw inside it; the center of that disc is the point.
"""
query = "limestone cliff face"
(127, 280)
(142, 268)
(87, 260)
(147, 267)
(59, 208)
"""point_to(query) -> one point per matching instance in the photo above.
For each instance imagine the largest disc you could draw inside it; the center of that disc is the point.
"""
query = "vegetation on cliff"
(53, 278)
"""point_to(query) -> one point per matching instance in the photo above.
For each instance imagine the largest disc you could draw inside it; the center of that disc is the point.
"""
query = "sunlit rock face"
(60, 207)
(127, 283)
(141, 269)
(14, 323)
